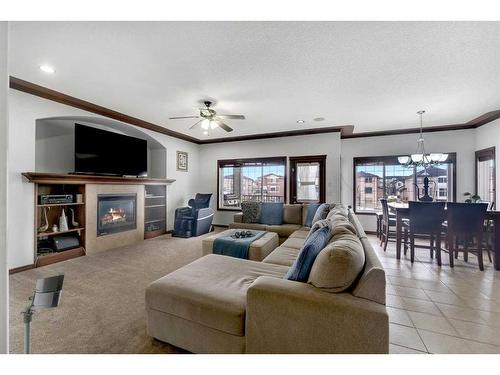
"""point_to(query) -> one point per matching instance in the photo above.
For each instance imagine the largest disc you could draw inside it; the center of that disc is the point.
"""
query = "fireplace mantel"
(62, 178)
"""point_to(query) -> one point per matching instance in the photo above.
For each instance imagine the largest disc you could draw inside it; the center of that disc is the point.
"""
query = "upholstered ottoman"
(259, 249)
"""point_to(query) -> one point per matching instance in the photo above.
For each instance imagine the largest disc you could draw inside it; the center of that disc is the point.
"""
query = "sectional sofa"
(294, 218)
(220, 304)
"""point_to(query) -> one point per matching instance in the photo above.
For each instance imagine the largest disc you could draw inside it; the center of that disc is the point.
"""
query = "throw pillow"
(311, 211)
(271, 213)
(339, 264)
(319, 225)
(321, 212)
(251, 212)
(302, 266)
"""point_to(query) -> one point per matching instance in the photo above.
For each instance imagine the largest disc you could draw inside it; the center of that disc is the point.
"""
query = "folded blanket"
(235, 247)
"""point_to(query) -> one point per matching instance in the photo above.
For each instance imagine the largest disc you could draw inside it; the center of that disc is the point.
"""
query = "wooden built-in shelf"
(59, 204)
(66, 178)
(49, 258)
(47, 234)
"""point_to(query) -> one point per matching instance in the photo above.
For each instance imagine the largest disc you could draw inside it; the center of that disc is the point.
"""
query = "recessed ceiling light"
(319, 119)
(300, 121)
(47, 69)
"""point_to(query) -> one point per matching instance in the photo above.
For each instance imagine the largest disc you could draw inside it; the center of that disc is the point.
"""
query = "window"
(384, 177)
(307, 182)
(485, 174)
(257, 180)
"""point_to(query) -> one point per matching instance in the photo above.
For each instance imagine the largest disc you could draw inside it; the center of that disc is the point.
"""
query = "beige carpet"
(102, 308)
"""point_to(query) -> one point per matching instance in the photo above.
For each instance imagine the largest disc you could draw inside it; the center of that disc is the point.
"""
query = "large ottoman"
(259, 249)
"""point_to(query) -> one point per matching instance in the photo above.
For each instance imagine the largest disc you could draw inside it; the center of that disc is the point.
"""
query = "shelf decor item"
(74, 223)
(44, 227)
(55, 228)
(182, 161)
(63, 222)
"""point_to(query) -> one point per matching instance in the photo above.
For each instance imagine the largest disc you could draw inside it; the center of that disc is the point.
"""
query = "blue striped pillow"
(314, 244)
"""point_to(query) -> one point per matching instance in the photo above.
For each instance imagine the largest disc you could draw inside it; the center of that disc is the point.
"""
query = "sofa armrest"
(238, 218)
(285, 316)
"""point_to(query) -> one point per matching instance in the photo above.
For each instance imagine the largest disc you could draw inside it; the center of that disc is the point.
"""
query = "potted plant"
(471, 198)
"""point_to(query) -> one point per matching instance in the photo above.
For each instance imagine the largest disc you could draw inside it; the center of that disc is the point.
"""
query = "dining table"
(402, 211)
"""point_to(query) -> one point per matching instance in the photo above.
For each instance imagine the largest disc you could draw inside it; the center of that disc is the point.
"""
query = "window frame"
(240, 162)
(486, 154)
(393, 159)
(321, 159)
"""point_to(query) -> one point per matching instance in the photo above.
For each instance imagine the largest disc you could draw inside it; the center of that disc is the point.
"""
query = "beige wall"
(4, 281)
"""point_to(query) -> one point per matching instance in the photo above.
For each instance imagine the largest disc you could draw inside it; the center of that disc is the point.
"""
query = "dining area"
(446, 229)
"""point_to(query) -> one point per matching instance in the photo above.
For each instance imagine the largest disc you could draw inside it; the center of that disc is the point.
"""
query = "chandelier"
(421, 158)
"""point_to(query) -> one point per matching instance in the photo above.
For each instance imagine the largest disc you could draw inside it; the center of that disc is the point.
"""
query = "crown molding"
(346, 131)
(59, 97)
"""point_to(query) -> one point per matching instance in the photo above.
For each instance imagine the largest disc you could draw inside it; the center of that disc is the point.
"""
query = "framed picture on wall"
(182, 161)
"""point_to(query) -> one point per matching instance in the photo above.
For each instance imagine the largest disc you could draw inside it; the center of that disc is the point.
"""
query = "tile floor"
(439, 309)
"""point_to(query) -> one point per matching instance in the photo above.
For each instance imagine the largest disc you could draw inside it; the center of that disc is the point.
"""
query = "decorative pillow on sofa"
(339, 264)
(311, 211)
(321, 212)
(251, 212)
(319, 225)
(314, 244)
(271, 213)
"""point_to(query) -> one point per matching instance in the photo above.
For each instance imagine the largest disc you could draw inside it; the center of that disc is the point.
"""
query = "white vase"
(63, 222)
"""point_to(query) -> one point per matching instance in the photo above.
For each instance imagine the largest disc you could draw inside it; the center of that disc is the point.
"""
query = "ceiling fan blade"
(180, 117)
(195, 124)
(233, 117)
(223, 126)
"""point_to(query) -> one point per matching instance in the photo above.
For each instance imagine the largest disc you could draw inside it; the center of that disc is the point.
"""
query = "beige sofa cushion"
(303, 232)
(283, 255)
(210, 291)
(283, 230)
(254, 226)
(339, 264)
(338, 209)
(292, 214)
(294, 242)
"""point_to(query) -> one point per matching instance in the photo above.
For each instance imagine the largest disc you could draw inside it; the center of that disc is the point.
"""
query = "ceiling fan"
(210, 119)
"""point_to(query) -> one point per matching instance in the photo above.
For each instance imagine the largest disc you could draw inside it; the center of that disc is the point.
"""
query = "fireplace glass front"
(116, 213)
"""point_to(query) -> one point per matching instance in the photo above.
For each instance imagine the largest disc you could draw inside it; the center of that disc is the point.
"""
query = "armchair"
(194, 220)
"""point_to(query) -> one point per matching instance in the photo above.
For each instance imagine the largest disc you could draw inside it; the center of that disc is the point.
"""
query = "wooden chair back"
(466, 218)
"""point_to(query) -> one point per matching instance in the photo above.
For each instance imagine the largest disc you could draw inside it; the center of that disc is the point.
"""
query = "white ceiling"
(373, 75)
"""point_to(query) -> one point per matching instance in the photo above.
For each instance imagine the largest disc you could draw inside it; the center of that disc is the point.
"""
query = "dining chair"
(380, 217)
(388, 221)
(466, 229)
(425, 218)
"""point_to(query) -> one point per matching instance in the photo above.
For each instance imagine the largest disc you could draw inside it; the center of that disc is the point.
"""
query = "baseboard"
(21, 269)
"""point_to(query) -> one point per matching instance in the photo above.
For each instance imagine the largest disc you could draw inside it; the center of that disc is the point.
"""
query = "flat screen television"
(101, 152)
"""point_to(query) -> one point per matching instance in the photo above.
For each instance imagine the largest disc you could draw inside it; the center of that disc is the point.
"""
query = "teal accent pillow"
(314, 244)
(271, 213)
(311, 211)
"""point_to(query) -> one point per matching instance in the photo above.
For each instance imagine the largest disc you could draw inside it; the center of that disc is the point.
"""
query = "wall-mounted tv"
(101, 152)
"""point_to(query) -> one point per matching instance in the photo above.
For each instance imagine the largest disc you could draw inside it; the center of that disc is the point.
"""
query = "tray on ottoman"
(259, 249)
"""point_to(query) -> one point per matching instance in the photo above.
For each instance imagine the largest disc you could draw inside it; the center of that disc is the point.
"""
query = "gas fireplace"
(116, 213)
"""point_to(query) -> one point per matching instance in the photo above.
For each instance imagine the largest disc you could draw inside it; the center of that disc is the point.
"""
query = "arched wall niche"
(54, 145)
